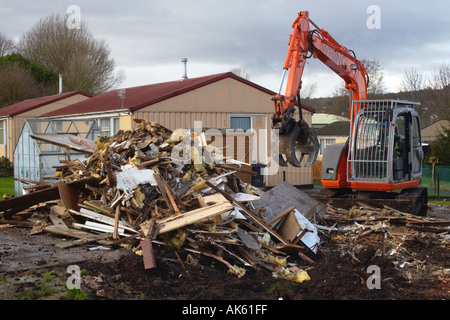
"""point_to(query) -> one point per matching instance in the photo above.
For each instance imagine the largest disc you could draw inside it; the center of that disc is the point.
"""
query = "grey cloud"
(249, 34)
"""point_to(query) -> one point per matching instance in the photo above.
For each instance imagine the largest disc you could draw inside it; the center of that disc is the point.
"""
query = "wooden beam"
(163, 192)
(147, 254)
(116, 223)
(191, 217)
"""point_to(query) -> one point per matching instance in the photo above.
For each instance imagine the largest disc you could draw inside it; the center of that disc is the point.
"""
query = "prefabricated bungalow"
(13, 117)
(220, 101)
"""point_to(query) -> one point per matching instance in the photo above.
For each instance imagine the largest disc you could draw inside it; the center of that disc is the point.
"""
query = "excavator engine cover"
(296, 143)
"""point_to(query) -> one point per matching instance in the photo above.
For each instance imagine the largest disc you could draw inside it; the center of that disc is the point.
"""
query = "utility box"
(258, 179)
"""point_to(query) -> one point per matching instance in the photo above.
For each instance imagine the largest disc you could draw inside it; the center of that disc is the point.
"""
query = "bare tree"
(241, 73)
(376, 77)
(413, 80)
(16, 84)
(6, 45)
(375, 85)
(309, 91)
(84, 61)
(441, 76)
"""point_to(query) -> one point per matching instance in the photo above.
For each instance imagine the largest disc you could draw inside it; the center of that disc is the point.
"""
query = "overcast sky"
(148, 38)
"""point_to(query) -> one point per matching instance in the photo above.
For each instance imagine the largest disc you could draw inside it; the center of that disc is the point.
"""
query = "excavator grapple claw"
(298, 142)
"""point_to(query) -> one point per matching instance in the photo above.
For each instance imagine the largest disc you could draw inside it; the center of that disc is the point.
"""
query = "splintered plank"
(77, 234)
(147, 254)
(193, 216)
(78, 242)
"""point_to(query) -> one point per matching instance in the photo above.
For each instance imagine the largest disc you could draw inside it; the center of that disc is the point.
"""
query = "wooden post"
(116, 223)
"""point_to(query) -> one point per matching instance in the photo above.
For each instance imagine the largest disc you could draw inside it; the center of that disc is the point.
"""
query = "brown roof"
(142, 96)
(31, 104)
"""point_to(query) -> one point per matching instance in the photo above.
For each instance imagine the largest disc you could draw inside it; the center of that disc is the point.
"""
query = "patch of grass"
(440, 202)
(34, 294)
(49, 276)
(280, 291)
(6, 186)
(76, 294)
(46, 291)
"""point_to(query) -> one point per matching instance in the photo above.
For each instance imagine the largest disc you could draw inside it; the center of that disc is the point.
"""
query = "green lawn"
(6, 186)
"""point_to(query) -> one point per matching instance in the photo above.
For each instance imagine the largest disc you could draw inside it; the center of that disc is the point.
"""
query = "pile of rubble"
(154, 186)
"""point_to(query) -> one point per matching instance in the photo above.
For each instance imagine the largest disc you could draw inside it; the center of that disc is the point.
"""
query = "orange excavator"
(383, 152)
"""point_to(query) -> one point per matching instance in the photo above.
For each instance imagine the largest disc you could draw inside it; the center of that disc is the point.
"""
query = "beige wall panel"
(175, 120)
(125, 122)
(54, 106)
(227, 95)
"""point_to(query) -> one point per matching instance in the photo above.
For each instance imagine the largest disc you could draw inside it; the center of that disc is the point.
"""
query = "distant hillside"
(435, 104)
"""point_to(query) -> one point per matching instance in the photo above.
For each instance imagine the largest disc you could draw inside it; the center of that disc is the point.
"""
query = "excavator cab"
(383, 154)
(385, 145)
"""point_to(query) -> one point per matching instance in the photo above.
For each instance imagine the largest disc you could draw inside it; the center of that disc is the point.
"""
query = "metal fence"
(437, 178)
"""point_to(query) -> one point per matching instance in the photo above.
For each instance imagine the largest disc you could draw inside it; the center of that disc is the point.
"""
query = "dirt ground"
(32, 268)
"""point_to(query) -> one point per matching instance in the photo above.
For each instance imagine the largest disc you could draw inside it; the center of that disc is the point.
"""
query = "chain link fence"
(439, 177)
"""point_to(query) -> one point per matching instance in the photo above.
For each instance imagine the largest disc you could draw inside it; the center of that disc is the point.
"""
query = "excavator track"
(413, 201)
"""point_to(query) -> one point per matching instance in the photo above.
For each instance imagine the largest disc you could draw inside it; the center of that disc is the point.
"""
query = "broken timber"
(193, 216)
(19, 203)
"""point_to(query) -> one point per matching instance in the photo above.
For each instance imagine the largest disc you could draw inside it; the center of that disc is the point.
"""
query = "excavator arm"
(297, 139)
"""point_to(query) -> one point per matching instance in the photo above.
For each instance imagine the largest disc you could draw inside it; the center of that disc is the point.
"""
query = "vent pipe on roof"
(184, 64)
(60, 84)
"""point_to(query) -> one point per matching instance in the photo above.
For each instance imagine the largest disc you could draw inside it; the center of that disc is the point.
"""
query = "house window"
(324, 143)
(116, 125)
(241, 122)
(108, 126)
(2, 131)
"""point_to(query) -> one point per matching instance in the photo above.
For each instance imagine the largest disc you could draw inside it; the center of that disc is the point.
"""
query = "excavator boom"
(297, 139)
